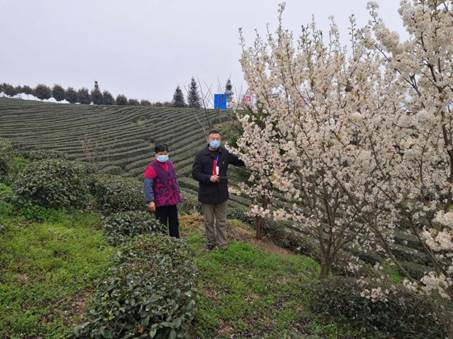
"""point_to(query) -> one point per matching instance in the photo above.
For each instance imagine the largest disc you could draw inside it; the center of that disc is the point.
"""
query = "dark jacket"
(208, 192)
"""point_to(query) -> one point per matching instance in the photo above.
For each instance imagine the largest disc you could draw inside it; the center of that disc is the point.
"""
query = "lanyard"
(215, 166)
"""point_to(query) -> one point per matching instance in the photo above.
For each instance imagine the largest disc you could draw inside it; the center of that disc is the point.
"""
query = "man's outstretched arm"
(234, 160)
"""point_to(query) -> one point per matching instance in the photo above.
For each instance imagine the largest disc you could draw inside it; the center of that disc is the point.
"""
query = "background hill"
(116, 139)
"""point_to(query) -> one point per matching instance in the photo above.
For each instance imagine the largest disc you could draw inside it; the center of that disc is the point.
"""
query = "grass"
(247, 290)
(47, 271)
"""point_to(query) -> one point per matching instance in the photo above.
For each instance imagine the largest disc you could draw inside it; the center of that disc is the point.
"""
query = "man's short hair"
(214, 131)
(161, 148)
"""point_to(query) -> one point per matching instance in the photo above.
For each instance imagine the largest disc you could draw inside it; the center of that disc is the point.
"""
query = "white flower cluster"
(375, 294)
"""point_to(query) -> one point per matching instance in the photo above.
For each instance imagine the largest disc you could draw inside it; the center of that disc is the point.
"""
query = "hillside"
(92, 271)
(117, 139)
(249, 289)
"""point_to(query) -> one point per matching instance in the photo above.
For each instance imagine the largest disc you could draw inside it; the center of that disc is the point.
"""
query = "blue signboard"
(220, 101)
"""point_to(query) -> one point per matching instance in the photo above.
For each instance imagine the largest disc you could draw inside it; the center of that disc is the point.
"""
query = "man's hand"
(214, 178)
(152, 206)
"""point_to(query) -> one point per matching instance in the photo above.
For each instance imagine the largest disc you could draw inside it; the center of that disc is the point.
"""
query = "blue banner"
(220, 101)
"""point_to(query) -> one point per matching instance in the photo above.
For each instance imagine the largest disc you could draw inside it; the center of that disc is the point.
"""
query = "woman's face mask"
(162, 157)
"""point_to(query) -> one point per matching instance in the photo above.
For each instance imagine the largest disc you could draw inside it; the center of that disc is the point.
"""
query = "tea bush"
(189, 204)
(114, 193)
(148, 293)
(402, 315)
(6, 159)
(242, 215)
(53, 183)
(283, 234)
(6, 208)
(35, 155)
(119, 227)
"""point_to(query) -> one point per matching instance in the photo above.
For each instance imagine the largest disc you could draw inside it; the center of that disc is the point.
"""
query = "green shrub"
(119, 227)
(6, 194)
(33, 212)
(283, 233)
(6, 159)
(6, 209)
(53, 183)
(148, 293)
(35, 155)
(189, 204)
(242, 215)
(403, 315)
(19, 164)
(114, 193)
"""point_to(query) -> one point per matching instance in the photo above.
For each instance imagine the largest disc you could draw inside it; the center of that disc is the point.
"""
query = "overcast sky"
(145, 48)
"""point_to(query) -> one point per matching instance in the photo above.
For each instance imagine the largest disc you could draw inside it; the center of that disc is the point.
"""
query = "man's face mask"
(214, 144)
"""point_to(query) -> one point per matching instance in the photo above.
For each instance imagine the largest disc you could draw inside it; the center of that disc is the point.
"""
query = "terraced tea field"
(117, 139)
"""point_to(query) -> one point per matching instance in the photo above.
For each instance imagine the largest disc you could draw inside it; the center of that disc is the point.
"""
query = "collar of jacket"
(207, 151)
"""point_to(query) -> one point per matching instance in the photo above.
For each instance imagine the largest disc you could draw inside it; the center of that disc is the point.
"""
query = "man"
(161, 190)
(210, 169)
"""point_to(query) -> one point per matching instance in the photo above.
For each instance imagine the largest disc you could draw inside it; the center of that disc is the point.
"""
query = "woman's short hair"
(160, 148)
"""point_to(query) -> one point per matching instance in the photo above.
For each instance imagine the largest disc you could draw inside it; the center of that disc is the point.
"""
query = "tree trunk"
(325, 269)
(259, 224)
(260, 221)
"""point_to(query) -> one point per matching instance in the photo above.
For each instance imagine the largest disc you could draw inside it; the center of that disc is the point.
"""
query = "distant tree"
(42, 92)
(58, 93)
(121, 100)
(26, 89)
(229, 91)
(19, 89)
(163, 104)
(71, 95)
(178, 98)
(84, 96)
(145, 103)
(108, 98)
(193, 96)
(96, 95)
(133, 102)
(8, 89)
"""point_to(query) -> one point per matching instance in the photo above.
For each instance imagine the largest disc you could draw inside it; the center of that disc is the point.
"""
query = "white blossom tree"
(313, 93)
(353, 144)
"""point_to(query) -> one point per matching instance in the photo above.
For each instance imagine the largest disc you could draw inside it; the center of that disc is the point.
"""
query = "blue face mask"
(214, 144)
(162, 158)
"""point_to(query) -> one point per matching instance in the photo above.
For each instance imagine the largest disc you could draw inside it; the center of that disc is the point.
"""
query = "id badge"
(217, 170)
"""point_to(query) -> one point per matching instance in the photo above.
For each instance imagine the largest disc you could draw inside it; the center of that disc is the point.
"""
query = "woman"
(162, 192)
